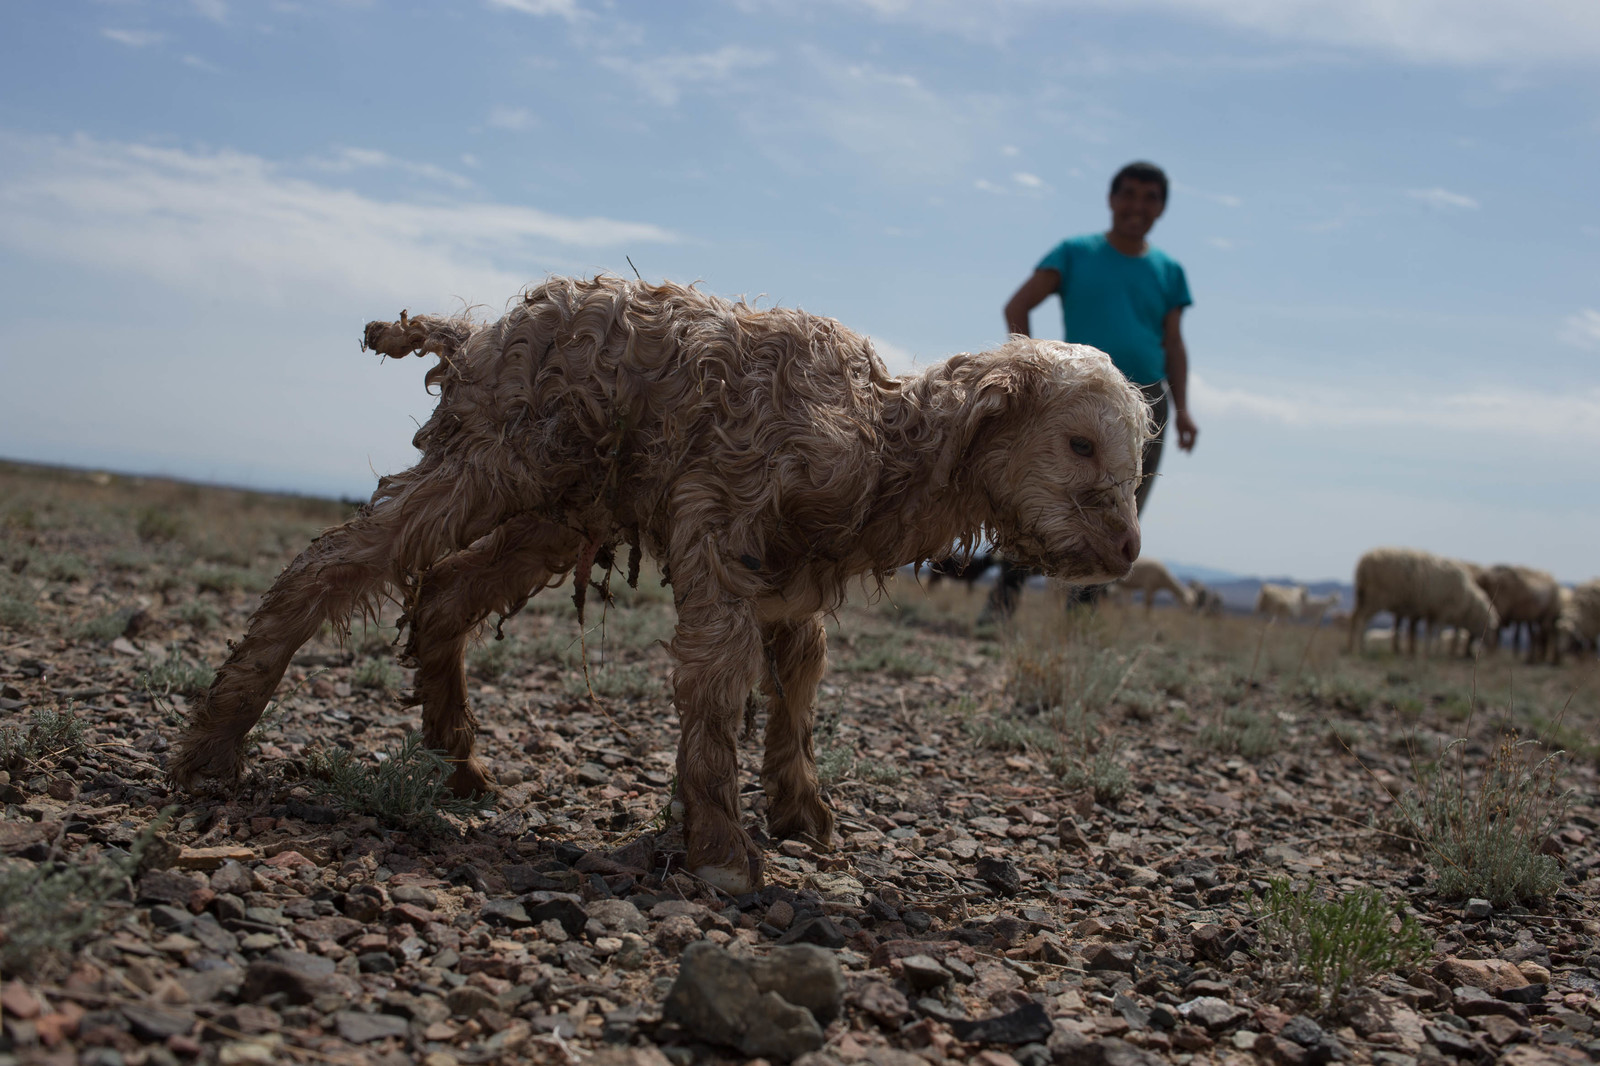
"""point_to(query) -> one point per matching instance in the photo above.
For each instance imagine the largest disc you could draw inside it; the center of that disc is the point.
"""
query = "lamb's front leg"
(718, 650)
(797, 655)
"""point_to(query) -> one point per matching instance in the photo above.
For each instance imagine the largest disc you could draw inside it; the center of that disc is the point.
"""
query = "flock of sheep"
(1457, 602)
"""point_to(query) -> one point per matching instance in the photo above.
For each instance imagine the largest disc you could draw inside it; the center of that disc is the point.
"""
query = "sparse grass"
(877, 772)
(1243, 732)
(157, 525)
(200, 616)
(1482, 827)
(48, 908)
(378, 675)
(1324, 949)
(64, 567)
(890, 656)
(1006, 734)
(107, 627)
(1100, 771)
(174, 674)
(834, 763)
(613, 681)
(48, 734)
(18, 613)
(405, 790)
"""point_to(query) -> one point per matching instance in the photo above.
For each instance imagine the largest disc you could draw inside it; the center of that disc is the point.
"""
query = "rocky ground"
(1050, 837)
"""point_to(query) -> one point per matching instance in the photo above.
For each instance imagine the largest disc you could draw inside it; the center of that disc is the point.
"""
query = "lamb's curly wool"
(764, 457)
(1525, 598)
(1419, 587)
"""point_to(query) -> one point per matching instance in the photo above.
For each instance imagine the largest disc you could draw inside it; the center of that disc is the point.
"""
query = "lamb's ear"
(989, 399)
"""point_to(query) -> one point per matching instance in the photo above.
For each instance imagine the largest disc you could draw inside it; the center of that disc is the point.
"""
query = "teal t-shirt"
(1117, 302)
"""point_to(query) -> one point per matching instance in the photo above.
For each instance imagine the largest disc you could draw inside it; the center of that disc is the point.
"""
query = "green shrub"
(1329, 948)
(107, 627)
(834, 763)
(158, 526)
(405, 790)
(226, 579)
(48, 908)
(1101, 772)
(1243, 732)
(173, 674)
(17, 613)
(1482, 829)
(201, 616)
(1005, 734)
(617, 682)
(65, 568)
(380, 675)
(48, 734)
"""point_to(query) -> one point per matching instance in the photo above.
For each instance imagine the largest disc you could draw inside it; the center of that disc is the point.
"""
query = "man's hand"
(1187, 430)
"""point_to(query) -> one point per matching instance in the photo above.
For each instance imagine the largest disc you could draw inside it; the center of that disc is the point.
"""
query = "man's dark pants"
(1007, 590)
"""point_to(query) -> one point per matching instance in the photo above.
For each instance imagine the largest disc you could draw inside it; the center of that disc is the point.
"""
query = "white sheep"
(1316, 608)
(1286, 601)
(1526, 599)
(1419, 587)
(1150, 576)
(1580, 617)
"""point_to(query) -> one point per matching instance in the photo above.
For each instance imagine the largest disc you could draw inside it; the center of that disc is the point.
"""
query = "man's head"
(1138, 196)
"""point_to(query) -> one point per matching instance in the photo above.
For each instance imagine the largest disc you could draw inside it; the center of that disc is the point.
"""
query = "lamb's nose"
(1129, 545)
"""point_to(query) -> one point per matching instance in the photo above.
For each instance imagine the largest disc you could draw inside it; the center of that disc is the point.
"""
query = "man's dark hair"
(1142, 171)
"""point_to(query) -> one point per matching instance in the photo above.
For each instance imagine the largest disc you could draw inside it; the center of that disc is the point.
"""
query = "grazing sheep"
(764, 457)
(1317, 607)
(1580, 617)
(1150, 576)
(1529, 600)
(1206, 601)
(1418, 587)
(1276, 601)
(966, 569)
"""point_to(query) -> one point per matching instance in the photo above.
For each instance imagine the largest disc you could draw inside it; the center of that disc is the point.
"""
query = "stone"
(156, 1024)
(360, 1028)
(1501, 1030)
(1107, 956)
(415, 894)
(1302, 1031)
(1070, 1048)
(1027, 1024)
(924, 972)
(17, 1002)
(715, 998)
(1453, 1041)
(1141, 877)
(1496, 975)
(1213, 1013)
(999, 874)
(168, 886)
(212, 859)
(676, 933)
(1478, 909)
(470, 1001)
(300, 984)
(617, 915)
(804, 975)
(885, 1003)
(562, 909)
(819, 931)
(230, 877)
(506, 912)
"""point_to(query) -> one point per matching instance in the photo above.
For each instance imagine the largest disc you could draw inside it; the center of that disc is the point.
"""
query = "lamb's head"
(1052, 437)
(1478, 615)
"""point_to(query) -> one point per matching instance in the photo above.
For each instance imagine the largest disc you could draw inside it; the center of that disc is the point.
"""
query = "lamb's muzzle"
(763, 457)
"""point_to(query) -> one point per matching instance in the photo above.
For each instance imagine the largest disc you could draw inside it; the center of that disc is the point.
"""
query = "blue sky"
(1386, 210)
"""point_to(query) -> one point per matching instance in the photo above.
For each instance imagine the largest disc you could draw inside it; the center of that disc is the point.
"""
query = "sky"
(1386, 211)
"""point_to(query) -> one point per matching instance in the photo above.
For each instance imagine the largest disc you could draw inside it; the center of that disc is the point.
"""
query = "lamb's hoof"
(734, 880)
(471, 778)
(812, 822)
(199, 762)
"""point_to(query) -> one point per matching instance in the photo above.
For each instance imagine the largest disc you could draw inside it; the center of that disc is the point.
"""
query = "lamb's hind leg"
(422, 514)
(796, 659)
(494, 576)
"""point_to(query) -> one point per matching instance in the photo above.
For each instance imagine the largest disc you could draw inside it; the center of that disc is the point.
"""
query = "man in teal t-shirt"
(1124, 297)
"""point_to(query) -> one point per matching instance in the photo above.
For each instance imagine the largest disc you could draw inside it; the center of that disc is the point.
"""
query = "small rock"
(155, 1024)
(506, 912)
(819, 931)
(884, 1002)
(230, 877)
(562, 909)
(715, 998)
(1478, 909)
(1213, 1013)
(469, 1001)
(804, 975)
(1108, 956)
(1453, 1041)
(1026, 1024)
(676, 933)
(359, 1028)
(924, 972)
(1001, 875)
(1302, 1031)
(1496, 975)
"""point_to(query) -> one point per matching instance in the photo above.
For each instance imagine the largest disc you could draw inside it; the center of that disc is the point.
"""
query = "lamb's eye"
(1082, 446)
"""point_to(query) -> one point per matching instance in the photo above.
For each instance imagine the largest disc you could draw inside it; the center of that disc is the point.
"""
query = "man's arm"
(1034, 292)
(1178, 378)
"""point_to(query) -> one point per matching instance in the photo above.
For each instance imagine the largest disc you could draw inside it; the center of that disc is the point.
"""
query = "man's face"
(1135, 206)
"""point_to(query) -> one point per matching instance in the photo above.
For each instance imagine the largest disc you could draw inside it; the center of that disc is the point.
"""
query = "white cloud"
(1444, 200)
(200, 64)
(1456, 32)
(230, 224)
(665, 77)
(1582, 329)
(1220, 242)
(511, 118)
(567, 9)
(1223, 198)
(1010, 150)
(134, 38)
(1572, 415)
(1028, 181)
(348, 160)
(985, 185)
(215, 10)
